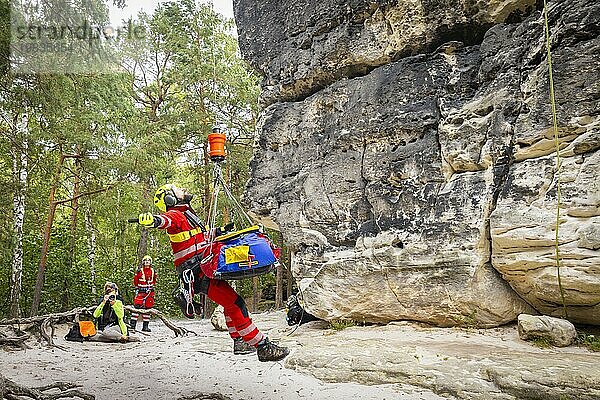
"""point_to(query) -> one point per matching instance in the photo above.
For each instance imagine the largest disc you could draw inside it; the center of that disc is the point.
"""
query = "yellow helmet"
(147, 258)
(165, 197)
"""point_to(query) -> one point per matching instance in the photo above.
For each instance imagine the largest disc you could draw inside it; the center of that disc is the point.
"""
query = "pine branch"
(106, 189)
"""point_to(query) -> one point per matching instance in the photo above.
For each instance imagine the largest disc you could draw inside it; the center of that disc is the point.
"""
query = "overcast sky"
(224, 7)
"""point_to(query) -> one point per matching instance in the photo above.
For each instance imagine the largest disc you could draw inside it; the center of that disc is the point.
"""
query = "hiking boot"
(241, 347)
(145, 327)
(132, 324)
(268, 351)
(180, 300)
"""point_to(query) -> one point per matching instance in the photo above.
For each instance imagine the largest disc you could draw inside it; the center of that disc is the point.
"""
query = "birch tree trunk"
(91, 246)
(20, 180)
(119, 249)
(117, 217)
(279, 287)
(279, 273)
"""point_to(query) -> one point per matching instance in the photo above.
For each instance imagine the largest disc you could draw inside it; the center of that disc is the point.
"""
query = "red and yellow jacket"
(145, 278)
(186, 241)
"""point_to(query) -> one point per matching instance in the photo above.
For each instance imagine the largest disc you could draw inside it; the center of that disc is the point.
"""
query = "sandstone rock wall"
(406, 153)
(302, 46)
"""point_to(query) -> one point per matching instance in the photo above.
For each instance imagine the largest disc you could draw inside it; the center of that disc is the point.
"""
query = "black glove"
(229, 227)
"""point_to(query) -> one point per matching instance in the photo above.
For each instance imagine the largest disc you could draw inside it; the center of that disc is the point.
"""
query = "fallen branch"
(179, 331)
(11, 390)
(45, 324)
(204, 396)
(40, 318)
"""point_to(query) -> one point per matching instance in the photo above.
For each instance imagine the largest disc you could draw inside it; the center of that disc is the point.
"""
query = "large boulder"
(400, 190)
(558, 332)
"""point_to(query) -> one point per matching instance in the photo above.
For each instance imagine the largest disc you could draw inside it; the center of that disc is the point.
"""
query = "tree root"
(17, 339)
(12, 391)
(44, 324)
(179, 331)
(204, 396)
(40, 318)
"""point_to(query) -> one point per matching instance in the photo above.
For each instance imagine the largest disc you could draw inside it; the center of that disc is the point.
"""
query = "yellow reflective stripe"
(183, 236)
(253, 228)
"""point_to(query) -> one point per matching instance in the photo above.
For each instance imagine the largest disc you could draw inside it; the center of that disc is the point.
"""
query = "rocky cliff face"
(406, 153)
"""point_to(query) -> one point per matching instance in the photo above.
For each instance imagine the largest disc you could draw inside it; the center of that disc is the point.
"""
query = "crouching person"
(109, 316)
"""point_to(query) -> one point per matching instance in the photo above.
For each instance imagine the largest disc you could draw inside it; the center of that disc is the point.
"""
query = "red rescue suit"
(144, 281)
(188, 242)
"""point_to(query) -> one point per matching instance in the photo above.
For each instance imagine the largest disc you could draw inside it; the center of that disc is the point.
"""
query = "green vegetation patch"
(542, 342)
(341, 324)
(591, 342)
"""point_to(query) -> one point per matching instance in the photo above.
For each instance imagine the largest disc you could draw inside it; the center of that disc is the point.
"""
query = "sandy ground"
(164, 367)
(397, 361)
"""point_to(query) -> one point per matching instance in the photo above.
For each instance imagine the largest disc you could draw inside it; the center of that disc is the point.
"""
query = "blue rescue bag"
(244, 256)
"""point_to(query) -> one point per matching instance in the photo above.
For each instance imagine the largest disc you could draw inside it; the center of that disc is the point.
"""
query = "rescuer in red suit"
(144, 281)
(188, 242)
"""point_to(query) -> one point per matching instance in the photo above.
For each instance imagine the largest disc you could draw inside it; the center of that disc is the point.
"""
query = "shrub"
(341, 324)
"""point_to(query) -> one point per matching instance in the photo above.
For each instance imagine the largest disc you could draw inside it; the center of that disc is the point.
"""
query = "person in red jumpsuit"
(144, 281)
(189, 242)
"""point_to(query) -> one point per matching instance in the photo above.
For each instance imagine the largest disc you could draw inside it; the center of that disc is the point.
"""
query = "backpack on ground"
(87, 329)
(74, 335)
(295, 313)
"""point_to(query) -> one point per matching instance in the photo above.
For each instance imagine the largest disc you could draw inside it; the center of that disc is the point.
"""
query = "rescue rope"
(218, 184)
(214, 59)
(212, 214)
(558, 160)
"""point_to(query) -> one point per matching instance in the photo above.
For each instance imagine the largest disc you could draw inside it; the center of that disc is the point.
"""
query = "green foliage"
(4, 36)
(542, 342)
(466, 321)
(133, 131)
(589, 341)
(341, 324)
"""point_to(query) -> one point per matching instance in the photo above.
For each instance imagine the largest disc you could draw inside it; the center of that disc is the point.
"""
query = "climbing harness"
(188, 279)
(558, 160)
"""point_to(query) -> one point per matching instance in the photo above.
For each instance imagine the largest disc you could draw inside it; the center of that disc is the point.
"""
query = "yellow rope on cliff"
(558, 160)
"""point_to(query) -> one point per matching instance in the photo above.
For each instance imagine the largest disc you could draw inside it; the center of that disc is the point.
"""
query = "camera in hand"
(112, 297)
